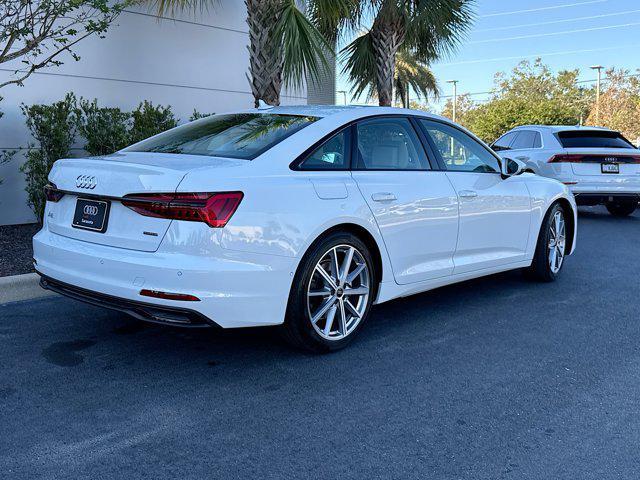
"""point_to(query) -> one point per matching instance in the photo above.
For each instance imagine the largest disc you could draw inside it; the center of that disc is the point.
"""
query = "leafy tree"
(619, 104)
(284, 46)
(149, 120)
(106, 130)
(54, 128)
(530, 94)
(196, 115)
(36, 33)
(425, 30)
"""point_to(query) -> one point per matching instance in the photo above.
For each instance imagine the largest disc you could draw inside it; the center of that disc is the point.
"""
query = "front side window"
(331, 155)
(459, 151)
(241, 135)
(389, 144)
(504, 142)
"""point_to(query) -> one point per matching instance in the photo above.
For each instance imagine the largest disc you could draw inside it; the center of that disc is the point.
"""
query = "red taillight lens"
(183, 297)
(214, 209)
(578, 158)
(52, 193)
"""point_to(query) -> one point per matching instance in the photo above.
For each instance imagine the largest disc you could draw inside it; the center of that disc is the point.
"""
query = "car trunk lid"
(107, 179)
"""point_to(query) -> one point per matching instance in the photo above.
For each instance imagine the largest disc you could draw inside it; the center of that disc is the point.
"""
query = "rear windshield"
(243, 135)
(593, 139)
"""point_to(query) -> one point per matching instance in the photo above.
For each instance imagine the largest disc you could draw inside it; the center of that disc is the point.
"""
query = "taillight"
(214, 209)
(52, 193)
(578, 158)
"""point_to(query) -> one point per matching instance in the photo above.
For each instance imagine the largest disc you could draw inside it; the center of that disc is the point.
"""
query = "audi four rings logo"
(610, 159)
(90, 210)
(86, 181)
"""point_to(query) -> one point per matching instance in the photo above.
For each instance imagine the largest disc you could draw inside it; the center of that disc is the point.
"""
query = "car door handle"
(383, 197)
(467, 194)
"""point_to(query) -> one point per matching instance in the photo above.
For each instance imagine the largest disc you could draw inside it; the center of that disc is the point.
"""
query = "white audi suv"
(600, 166)
(301, 217)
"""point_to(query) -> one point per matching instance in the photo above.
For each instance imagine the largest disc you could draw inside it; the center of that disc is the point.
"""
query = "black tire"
(298, 329)
(622, 208)
(540, 268)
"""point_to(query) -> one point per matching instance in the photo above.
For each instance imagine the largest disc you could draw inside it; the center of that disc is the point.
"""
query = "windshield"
(593, 139)
(242, 135)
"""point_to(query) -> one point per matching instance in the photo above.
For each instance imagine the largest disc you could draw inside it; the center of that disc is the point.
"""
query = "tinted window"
(245, 135)
(592, 139)
(504, 141)
(525, 139)
(331, 155)
(459, 151)
(389, 144)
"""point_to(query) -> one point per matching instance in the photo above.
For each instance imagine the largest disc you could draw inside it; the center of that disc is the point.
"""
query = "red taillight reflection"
(592, 158)
(169, 296)
(52, 193)
(214, 209)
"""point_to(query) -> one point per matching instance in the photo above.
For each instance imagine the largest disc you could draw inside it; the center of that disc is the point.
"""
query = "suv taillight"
(593, 158)
(52, 193)
(214, 209)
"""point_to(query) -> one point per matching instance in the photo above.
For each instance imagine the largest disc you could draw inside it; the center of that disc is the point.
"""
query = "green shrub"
(196, 115)
(54, 128)
(106, 130)
(149, 120)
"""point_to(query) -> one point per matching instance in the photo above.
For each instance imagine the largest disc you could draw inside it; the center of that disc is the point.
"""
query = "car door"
(415, 206)
(495, 213)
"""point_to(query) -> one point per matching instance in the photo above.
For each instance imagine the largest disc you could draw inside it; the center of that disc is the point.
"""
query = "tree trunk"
(387, 35)
(265, 52)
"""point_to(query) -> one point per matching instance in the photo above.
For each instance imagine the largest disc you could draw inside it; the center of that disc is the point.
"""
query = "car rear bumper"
(235, 289)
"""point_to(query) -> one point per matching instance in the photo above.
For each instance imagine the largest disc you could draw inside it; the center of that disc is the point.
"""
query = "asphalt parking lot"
(494, 378)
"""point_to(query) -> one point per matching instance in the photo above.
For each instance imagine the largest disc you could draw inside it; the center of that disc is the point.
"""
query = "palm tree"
(425, 29)
(285, 48)
(409, 73)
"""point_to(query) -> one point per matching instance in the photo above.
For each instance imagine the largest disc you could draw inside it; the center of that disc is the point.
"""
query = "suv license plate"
(610, 168)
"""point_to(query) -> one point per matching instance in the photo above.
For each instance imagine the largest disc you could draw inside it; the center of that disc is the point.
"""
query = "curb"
(22, 287)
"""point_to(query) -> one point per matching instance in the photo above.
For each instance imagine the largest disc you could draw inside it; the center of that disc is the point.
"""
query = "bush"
(196, 115)
(106, 130)
(149, 120)
(54, 128)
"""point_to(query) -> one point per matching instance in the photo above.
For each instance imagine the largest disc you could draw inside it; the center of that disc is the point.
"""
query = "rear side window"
(243, 135)
(592, 139)
(331, 155)
(389, 144)
(504, 142)
(527, 139)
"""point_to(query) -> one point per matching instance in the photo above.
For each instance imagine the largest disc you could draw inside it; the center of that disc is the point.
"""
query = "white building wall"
(200, 61)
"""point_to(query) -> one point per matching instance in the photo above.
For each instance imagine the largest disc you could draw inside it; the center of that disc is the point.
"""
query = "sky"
(566, 34)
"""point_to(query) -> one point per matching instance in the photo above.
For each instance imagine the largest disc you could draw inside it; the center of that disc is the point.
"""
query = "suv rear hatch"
(100, 182)
(598, 152)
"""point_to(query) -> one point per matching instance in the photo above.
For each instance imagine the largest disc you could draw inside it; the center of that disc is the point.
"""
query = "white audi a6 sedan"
(599, 165)
(295, 216)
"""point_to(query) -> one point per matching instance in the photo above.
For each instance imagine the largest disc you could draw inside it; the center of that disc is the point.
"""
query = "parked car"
(600, 166)
(295, 216)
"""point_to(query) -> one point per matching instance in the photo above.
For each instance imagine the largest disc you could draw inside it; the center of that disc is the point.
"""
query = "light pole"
(343, 92)
(455, 97)
(599, 69)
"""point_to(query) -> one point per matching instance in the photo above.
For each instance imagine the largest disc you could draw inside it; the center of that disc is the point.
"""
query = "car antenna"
(264, 106)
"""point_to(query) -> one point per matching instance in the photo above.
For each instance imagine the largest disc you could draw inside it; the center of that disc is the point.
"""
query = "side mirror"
(511, 167)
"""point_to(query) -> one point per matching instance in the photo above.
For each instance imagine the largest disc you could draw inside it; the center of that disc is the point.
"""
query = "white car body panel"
(243, 273)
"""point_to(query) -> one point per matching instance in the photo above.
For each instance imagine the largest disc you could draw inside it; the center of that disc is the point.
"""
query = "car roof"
(562, 128)
(325, 111)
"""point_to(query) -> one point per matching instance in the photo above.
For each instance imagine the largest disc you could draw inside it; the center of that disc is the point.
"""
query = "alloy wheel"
(557, 242)
(338, 292)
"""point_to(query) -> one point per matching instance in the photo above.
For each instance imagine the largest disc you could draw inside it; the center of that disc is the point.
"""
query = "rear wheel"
(551, 248)
(622, 208)
(331, 295)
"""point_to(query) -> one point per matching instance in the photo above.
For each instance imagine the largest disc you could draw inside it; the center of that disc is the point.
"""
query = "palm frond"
(172, 7)
(360, 65)
(305, 50)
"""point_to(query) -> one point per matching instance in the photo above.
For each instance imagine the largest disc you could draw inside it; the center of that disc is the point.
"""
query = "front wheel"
(551, 248)
(331, 295)
(622, 208)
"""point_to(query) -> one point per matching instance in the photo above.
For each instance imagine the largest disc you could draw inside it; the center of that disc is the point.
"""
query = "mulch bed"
(16, 252)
